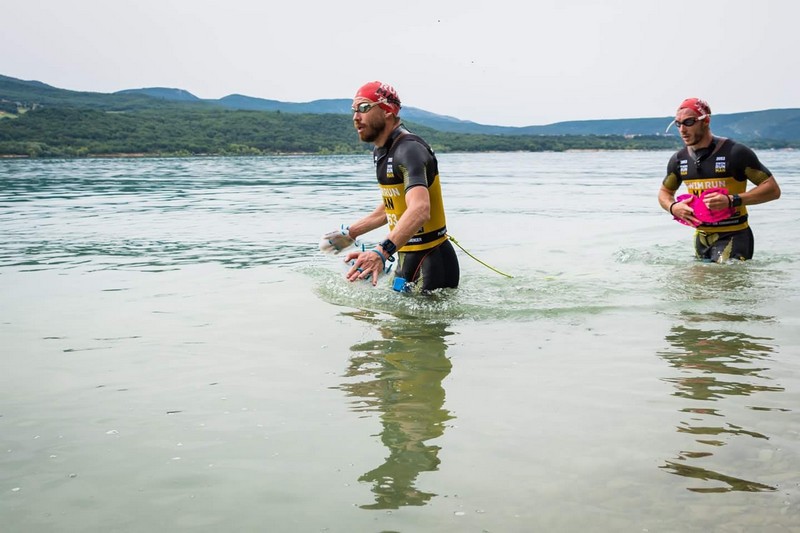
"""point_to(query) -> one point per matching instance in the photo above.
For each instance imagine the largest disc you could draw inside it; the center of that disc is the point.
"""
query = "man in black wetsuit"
(411, 203)
(709, 162)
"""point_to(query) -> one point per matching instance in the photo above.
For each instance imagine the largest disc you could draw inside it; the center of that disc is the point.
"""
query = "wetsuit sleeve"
(747, 165)
(411, 160)
(672, 181)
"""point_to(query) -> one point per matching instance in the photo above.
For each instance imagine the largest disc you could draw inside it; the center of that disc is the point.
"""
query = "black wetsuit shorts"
(721, 247)
(427, 270)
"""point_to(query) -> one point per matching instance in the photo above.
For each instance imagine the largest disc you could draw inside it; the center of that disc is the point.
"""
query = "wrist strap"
(671, 206)
(383, 260)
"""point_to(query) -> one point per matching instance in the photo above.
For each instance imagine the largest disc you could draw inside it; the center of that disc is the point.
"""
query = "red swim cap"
(697, 105)
(376, 91)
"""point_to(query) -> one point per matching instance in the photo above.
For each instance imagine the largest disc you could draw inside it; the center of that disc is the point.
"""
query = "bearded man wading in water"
(411, 204)
(708, 162)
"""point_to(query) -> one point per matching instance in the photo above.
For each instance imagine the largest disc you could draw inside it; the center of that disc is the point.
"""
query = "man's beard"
(369, 135)
(372, 131)
(696, 138)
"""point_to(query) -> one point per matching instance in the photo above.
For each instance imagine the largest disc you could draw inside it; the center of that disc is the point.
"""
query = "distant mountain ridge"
(776, 124)
(340, 106)
(779, 124)
(164, 93)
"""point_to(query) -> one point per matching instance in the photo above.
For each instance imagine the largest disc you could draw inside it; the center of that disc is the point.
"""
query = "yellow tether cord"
(476, 259)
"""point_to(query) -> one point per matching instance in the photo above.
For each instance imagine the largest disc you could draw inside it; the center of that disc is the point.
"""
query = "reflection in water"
(744, 283)
(400, 377)
(715, 365)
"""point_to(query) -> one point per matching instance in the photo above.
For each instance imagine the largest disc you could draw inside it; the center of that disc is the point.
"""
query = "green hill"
(38, 120)
(772, 124)
(35, 94)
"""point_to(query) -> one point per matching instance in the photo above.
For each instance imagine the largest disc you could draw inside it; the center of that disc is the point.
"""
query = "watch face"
(389, 247)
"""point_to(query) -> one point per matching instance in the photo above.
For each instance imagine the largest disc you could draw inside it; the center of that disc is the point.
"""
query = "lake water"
(178, 356)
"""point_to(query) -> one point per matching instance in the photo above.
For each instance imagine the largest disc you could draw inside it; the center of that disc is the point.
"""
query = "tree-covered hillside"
(80, 132)
(69, 132)
(37, 120)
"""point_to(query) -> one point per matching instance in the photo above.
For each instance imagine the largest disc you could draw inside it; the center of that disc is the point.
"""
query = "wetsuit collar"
(701, 154)
(397, 132)
(381, 151)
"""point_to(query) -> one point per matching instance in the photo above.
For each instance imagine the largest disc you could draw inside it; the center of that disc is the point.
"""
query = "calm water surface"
(178, 356)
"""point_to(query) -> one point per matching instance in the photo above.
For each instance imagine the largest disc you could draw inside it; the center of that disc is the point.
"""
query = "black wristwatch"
(388, 247)
(736, 200)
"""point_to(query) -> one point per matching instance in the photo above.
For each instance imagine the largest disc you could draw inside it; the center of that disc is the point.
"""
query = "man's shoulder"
(683, 153)
(736, 145)
(406, 135)
(409, 143)
(738, 149)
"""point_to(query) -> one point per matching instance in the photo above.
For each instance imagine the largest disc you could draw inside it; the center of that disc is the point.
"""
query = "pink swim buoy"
(702, 212)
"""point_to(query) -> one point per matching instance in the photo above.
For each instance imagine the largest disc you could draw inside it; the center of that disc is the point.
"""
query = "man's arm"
(374, 220)
(682, 210)
(417, 214)
(766, 191)
(366, 264)
(766, 186)
(665, 198)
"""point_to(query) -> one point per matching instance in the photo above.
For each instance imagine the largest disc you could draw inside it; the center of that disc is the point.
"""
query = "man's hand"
(681, 210)
(366, 265)
(716, 201)
(336, 241)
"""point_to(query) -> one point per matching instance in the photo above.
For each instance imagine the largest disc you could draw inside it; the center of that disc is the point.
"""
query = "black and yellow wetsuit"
(428, 258)
(724, 163)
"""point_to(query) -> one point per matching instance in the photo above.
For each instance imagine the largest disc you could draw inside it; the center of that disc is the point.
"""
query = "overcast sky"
(504, 62)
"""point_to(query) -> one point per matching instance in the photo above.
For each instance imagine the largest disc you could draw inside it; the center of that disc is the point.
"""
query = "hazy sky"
(504, 62)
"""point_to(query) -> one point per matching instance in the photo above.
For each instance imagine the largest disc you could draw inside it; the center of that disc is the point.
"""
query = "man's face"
(370, 122)
(694, 134)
